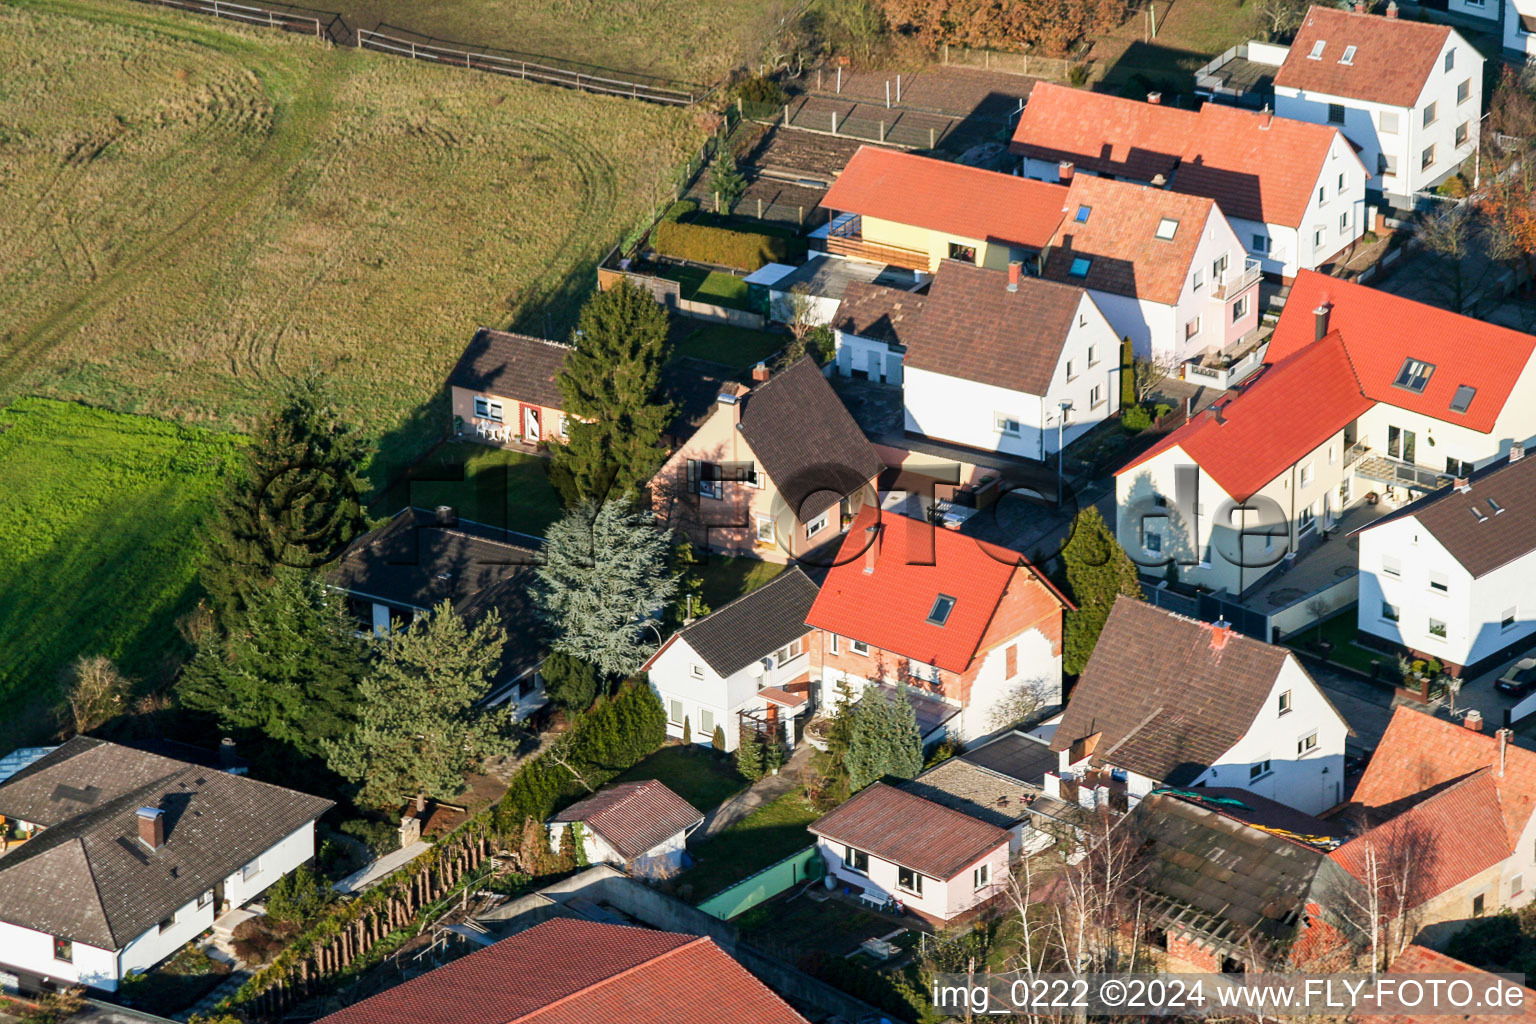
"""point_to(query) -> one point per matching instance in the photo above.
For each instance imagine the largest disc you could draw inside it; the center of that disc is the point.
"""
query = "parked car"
(1520, 680)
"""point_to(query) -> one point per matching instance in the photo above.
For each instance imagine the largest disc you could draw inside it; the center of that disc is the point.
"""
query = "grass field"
(1189, 33)
(489, 485)
(680, 39)
(195, 210)
(738, 347)
(692, 772)
(101, 514)
(770, 833)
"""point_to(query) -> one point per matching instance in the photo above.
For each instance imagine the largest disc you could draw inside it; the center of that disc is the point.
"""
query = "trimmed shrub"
(379, 836)
(723, 247)
(680, 210)
(297, 897)
(1136, 418)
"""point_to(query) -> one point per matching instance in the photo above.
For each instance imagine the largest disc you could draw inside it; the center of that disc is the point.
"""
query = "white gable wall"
(671, 676)
(1036, 664)
(33, 951)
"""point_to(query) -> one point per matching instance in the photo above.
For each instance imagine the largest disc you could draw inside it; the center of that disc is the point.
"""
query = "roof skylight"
(1166, 228)
(1464, 396)
(1414, 375)
(942, 606)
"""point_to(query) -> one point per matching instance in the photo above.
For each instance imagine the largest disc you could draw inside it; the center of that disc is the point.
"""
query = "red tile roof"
(1422, 960)
(905, 829)
(967, 202)
(1393, 58)
(1120, 237)
(1256, 166)
(1253, 438)
(1420, 754)
(634, 817)
(1372, 324)
(1449, 837)
(889, 607)
(576, 972)
(782, 696)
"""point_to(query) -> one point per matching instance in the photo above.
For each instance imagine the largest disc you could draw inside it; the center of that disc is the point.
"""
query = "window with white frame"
(1317, 50)
(1440, 582)
(1306, 744)
(1322, 195)
(1386, 164)
(1430, 115)
(832, 643)
(859, 647)
(1306, 475)
(487, 408)
(1390, 566)
(763, 528)
(1463, 132)
(1349, 55)
(1344, 221)
(816, 526)
(1450, 59)
(1167, 228)
(1516, 886)
(1191, 328)
(1198, 280)
(1317, 238)
(204, 900)
(910, 881)
(1284, 703)
(1437, 628)
(696, 670)
(1427, 160)
(167, 923)
(1507, 621)
(1260, 245)
(251, 870)
(1070, 372)
(855, 860)
(1306, 520)
(1096, 396)
(1005, 424)
(1258, 769)
(1152, 540)
(1092, 356)
(1387, 123)
(981, 875)
(706, 723)
(1240, 308)
(1464, 91)
(1391, 612)
(675, 712)
(789, 652)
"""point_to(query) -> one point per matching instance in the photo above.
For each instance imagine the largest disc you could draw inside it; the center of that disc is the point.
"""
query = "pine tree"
(611, 389)
(292, 671)
(1098, 572)
(570, 682)
(297, 501)
(603, 580)
(884, 739)
(749, 756)
(690, 603)
(718, 741)
(906, 757)
(419, 732)
(725, 179)
(773, 755)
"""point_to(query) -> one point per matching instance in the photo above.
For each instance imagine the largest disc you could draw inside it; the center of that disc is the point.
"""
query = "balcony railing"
(1235, 282)
(1388, 471)
(857, 247)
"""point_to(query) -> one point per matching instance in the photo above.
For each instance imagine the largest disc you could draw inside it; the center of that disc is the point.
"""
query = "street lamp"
(1061, 423)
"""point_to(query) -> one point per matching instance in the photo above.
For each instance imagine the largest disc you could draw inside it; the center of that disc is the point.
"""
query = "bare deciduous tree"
(1150, 375)
(1388, 861)
(96, 693)
(1018, 704)
(1279, 19)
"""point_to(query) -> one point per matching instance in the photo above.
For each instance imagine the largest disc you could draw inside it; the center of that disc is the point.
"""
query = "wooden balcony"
(855, 246)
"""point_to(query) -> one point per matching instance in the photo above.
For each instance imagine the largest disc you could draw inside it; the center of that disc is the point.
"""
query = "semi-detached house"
(1293, 192)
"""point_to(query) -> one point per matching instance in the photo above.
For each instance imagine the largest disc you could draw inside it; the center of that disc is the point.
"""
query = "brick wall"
(1184, 955)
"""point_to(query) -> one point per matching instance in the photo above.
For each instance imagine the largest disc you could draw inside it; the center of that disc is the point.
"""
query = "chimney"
(1154, 97)
(1392, 9)
(1503, 735)
(1462, 484)
(151, 827)
(1189, 406)
(1220, 633)
(1015, 267)
(227, 759)
(1359, 6)
(444, 515)
(1064, 171)
(731, 399)
(760, 373)
(871, 547)
(1218, 412)
(1473, 720)
(1516, 451)
(1266, 118)
(1320, 322)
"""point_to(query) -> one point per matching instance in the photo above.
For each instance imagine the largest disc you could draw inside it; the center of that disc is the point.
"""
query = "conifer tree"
(718, 740)
(687, 732)
(611, 389)
(725, 179)
(883, 739)
(1098, 571)
(749, 756)
(570, 682)
(297, 500)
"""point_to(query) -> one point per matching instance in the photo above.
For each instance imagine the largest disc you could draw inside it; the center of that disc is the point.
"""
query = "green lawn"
(740, 348)
(712, 286)
(726, 578)
(691, 772)
(804, 925)
(770, 833)
(1189, 33)
(489, 485)
(101, 535)
(1341, 631)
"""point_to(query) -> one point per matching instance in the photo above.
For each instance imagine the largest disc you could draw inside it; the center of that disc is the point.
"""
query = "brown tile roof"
(1167, 695)
(782, 696)
(514, 366)
(966, 202)
(1471, 526)
(974, 328)
(878, 311)
(569, 971)
(806, 440)
(1393, 57)
(753, 626)
(905, 829)
(1449, 837)
(1255, 165)
(1420, 754)
(634, 817)
(1422, 960)
(87, 877)
(1120, 238)
(973, 790)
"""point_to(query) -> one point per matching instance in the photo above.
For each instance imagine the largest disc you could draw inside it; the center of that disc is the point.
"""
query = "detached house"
(1453, 827)
(1350, 408)
(912, 211)
(642, 827)
(1169, 701)
(745, 666)
(773, 471)
(399, 572)
(1008, 363)
(1408, 94)
(1293, 192)
(892, 844)
(504, 392)
(960, 620)
(869, 330)
(132, 856)
(1453, 575)
(1166, 269)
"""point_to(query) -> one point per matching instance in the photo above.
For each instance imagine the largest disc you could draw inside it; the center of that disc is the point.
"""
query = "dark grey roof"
(1167, 695)
(1476, 534)
(1261, 812)
(1015, 755)
(932, 713)
(87, 877)
(755, 625)
(1238, 888)
(693, 388)
(414, 562)
(513, 366)
(970, 789)
(806, 440)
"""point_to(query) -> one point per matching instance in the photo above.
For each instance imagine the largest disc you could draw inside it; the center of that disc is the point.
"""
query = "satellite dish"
(757, 668)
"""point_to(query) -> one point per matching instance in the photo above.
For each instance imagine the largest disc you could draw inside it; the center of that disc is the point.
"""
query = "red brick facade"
(1192, 956)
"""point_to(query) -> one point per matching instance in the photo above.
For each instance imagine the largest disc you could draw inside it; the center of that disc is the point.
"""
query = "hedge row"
(743, 250)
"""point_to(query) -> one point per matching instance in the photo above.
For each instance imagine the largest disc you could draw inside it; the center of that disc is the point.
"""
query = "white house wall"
(33, 951)
(671, 676)
(154, 945)
(874, 358)
(1517, 41)
(1217, 240)
(942, 899)
(1036, 663)
(279, 859)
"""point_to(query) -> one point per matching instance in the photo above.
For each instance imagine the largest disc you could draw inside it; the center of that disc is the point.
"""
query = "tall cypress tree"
(296, 502)
(1098, 571)
(611, 389)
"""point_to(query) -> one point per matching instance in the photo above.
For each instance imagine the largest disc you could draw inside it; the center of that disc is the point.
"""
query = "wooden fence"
(320, 24)
(1056, 68)
(503, 62)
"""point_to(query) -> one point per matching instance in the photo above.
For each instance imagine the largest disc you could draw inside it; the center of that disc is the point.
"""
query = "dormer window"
(1414, 375)
(1080, 265)
(1317, 50)
(1349, 55)
(1082, 214)
(1166, 228)
(1464, 396)
(942, 606)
